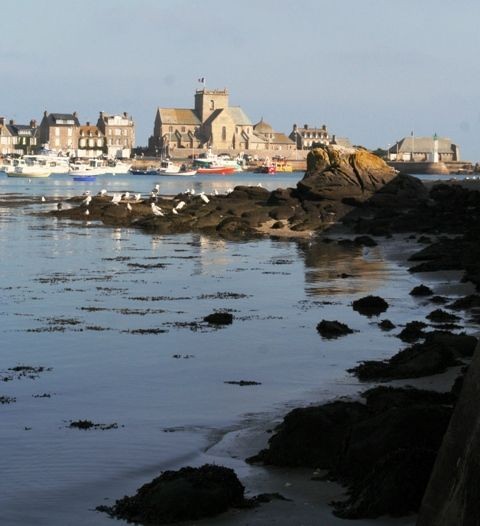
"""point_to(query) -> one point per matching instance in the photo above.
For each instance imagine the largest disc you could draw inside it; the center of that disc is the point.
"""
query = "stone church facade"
(212, 123)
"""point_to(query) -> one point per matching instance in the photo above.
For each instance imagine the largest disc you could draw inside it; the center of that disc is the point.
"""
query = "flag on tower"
(202, 80)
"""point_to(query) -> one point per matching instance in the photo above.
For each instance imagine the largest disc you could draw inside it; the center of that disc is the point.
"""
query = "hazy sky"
(372, 70)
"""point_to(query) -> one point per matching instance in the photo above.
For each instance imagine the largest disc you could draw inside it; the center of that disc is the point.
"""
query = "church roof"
(263, 127)
(238, 115)
(178, 116)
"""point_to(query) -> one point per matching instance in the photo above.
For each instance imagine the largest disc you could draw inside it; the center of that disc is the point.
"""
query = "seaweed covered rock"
(333, 329)
(370, 305)
(187, 494)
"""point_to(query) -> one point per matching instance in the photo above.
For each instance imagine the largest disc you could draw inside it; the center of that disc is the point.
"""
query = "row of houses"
(112, 135)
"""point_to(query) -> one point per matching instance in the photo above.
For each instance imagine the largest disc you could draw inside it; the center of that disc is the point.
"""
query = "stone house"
(17, 138)
(412, 148)
(270, 139)
(91, 141)
(119, 133)
(305, 138)
(59, 131)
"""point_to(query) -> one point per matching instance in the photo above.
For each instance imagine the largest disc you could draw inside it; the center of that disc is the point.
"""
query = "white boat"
(208, 161)
(30, 166)
(98, 167)
(8, 165)
(169, 168)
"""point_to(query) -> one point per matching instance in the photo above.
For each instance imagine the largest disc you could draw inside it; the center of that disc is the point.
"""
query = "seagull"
(116, 199)
(87, 192)
(59, 206)
(138, 197)
(157, 211)
(156, 189)
(103, 191)
(215, 191)
(229, 191)
(126, 195)
(204, 198)
(180, 205)
(174, 211)
(260, 185)
(87, 212)
(87, 200)
(43, 199)
(129, 207)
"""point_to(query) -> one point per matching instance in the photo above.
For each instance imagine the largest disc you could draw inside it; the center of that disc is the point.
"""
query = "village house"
(59, 132)
(271, 139)
(412, 148)
(17, 138)
(307, 137)
(119, 134)
(212, 123)
(91, 141)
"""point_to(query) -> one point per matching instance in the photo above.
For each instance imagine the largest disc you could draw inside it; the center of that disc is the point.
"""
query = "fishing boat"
(29, 166)
(283, 166)
(216, 170)
(144, 171)
(98, 167)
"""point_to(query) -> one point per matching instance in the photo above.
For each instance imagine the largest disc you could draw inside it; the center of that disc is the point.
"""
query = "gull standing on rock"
(87, 200)
(43, 199)
(59, 206)
(103, 191)
(180, 205)
(156, 210)
(116, 198)
(204, 198)
(129, 207)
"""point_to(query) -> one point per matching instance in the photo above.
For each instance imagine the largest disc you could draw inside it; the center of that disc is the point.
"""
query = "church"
(212, 123)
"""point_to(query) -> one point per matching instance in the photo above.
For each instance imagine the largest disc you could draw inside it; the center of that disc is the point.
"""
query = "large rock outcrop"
(334, 173)
(453, 492)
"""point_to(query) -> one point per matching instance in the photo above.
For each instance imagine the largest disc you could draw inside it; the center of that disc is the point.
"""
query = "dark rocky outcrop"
(175, 496)
(383, 451)
(219, 318)
(333, 329)
(453, 493)
(421, 290)
(413, 331)
(439, 351)
(370, 305)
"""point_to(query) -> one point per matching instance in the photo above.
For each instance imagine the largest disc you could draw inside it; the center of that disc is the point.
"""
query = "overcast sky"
(372, 70)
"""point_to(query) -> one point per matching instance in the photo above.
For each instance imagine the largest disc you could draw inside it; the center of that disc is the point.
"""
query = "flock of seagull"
(117, 198)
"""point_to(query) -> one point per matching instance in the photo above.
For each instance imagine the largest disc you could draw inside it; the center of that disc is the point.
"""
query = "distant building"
(307, 137)
(412, 148)
(91, 141)
(119, 133)
(59, 131)
(271, 139)
(17, 138)
(212, 123)
(6, 138)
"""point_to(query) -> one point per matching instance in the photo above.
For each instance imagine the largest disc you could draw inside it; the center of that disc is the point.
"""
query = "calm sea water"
(79, 300)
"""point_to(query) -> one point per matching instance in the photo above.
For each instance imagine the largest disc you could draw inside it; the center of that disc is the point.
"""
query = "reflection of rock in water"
(334, 269)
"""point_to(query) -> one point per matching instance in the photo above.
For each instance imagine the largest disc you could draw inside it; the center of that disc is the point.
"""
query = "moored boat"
(219, 170)
(29, 166)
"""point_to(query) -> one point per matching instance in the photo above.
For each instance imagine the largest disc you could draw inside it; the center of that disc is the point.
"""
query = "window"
(183, 128)
(224, 133)
(118, 131)
(212, 104)
(82, 143)
(170, 128)
(57, 132)
(69, 132)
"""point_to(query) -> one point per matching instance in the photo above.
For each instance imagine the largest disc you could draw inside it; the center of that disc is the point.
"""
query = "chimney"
(74, 114)
(11, 122)
(45, 113)
(2, 121)
(88, 123)
(33, 123)
(125, 114)
(305, 126)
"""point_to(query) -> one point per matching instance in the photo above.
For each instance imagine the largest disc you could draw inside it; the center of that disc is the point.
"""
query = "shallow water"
(77, 299)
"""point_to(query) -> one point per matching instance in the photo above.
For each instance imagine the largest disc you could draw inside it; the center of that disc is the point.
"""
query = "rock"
(312, 436)
(365, 241)
(413, 331)
(467, 302)
(439, 351)
(186, 494)
(441, 316)
(334, 173)
(386, 325)
(421, 290)
(370, 305)
(333, 329)
(219, 318)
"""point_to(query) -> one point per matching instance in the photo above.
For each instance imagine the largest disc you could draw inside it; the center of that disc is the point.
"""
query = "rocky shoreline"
(384, 448)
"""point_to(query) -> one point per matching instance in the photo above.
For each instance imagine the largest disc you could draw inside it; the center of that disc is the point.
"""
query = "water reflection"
(332, 269)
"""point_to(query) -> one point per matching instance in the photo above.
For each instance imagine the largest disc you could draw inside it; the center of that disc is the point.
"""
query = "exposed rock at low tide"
(370, 305)
(219, 318)
(175, 496)
(333, 329)
(382, 450)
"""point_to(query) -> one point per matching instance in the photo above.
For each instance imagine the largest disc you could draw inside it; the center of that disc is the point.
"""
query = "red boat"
(222, 170)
